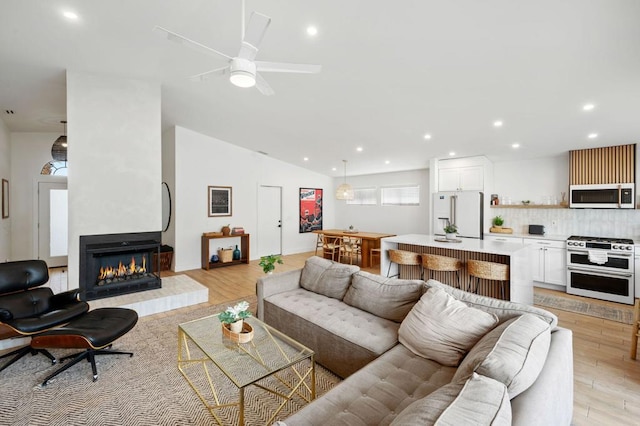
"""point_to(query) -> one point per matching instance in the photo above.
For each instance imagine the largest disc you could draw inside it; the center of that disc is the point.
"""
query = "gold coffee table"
(201, 345)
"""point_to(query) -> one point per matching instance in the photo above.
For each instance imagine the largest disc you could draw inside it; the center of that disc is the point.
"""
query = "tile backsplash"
(588, 222)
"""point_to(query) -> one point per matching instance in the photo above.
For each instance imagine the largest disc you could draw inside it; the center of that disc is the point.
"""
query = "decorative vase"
(236, 327)
(214, 258)
(451, 235)
(226, 231)
(236, 253)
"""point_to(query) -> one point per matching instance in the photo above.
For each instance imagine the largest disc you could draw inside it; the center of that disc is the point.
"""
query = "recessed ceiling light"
(312, 31)
(427, 136)
(497, 123)
(515, 145)
(359, 149)
(451, 154)
(70, 15)
(588, 107)
(333, 169)
(306, 158)
(387, 162)
(592, 135)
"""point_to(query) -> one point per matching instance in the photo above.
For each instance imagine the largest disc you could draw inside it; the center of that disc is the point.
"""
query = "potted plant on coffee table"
(234, 316)
(450, 231)
(268, 263)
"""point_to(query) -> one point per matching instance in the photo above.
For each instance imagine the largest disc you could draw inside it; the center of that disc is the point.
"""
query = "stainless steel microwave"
(602, 196)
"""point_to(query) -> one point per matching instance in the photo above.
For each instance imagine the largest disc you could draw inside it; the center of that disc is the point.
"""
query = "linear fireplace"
(114, 264)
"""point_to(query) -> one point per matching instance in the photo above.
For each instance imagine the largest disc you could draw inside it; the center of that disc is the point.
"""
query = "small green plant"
(235, 313)
(450, 229)
(497, 221)
(268, 263)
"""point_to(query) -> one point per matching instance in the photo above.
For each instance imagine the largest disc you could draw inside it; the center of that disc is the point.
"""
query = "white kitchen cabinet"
(502, 239)
(461, 179)
(548, 261)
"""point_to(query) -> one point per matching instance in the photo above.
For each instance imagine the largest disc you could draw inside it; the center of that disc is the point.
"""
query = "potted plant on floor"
(450, 231)
(235, 315)
(268, 263)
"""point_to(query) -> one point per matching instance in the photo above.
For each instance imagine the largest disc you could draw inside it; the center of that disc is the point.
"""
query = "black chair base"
(89, 355)
(19, 353)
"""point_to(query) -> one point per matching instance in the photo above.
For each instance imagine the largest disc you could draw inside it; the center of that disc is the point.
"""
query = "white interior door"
(53, 231)
(269, 220)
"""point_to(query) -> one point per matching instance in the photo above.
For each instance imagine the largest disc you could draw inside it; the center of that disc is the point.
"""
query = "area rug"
(146, 389)
(622, 313)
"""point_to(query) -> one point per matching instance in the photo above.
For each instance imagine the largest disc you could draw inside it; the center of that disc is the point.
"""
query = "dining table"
(370, 240)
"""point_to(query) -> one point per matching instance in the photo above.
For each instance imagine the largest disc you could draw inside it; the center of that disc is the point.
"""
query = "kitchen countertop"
(549, 237)
(466, 244)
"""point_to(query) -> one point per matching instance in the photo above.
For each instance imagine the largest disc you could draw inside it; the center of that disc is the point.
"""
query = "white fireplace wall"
(115, 163)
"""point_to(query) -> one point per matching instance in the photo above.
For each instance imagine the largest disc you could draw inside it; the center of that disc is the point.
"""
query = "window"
(401, 196)
(55, 167)
(364, 197)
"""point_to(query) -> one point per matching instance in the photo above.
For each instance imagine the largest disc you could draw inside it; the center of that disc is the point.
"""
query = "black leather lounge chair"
(26, 309)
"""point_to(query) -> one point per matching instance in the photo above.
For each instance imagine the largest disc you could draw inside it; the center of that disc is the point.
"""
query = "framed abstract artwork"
(310, 209)
(220, 201)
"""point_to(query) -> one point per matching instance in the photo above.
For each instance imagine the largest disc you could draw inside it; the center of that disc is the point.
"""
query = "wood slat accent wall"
(613, 164)
(485, 288)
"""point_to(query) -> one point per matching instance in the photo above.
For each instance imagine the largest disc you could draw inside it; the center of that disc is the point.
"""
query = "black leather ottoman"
(93, 331)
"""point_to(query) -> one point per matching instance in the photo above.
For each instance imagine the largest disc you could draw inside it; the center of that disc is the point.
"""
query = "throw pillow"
(325, 277)
(477, 401)
(442, 328)
(387, 298)
(513, 353)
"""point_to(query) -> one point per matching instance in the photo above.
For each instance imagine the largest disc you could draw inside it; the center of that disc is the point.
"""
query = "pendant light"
(344, 191)
(59, 148)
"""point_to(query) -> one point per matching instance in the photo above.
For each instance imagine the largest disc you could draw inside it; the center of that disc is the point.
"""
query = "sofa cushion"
(513, 353)
(476, 401)
(377, 393)
(502, 308)
(325, 277)
(443, 329)
(388, 298)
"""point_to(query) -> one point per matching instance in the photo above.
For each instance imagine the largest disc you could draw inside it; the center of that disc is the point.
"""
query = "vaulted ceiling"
(392, 72)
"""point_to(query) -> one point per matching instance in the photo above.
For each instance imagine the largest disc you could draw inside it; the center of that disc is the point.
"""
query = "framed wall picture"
(220, 201)
(5, 198)
(310, 209)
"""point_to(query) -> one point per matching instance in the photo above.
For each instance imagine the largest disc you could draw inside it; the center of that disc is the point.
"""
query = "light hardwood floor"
(607, 381)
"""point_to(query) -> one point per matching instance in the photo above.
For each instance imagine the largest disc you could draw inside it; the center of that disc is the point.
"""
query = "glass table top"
(245, 363)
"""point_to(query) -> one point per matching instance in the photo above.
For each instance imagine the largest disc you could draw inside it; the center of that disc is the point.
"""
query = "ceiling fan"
(243, 68)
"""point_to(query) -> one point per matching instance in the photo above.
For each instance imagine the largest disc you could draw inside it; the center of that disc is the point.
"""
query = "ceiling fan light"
(242, 78)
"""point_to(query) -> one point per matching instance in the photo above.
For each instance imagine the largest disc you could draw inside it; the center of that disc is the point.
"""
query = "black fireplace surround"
(114, 264)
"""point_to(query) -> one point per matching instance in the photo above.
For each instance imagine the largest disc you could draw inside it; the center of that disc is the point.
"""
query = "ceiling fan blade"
(263, 86)
(208, 74)
(286, 67)
(177, 38)
(253, 35)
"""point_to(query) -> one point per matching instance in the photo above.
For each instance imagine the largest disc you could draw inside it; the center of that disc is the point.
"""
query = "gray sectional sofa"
(415, 352)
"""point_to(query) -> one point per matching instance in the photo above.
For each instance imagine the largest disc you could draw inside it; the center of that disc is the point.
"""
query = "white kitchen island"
(514, 254)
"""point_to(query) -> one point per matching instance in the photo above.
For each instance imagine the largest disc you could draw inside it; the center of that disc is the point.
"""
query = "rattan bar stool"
(434, 262)
(479, 269)
(403, 257)
(634, 331)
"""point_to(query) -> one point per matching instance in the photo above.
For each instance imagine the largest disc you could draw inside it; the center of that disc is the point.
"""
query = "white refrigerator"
(465, 209)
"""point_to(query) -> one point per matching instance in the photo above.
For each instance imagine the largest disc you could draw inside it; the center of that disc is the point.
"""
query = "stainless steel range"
(602, 268)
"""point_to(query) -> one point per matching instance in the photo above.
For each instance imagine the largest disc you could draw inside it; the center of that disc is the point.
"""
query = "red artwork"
(310, 209)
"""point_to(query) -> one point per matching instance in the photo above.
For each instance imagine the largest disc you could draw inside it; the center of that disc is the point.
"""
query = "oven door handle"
(599, 272)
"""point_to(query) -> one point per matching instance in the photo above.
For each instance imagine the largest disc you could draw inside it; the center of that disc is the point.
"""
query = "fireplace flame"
(121, 270)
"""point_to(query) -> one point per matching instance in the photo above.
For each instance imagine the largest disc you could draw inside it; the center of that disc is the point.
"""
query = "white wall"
(532, 179)
(202, 161)
(169, 176)
(5, 173)
(29, 152)
(115, 164)
(387, 219)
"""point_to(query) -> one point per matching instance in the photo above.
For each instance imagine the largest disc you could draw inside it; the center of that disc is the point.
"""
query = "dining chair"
(331, 247)
(319, 243)
(351, 249)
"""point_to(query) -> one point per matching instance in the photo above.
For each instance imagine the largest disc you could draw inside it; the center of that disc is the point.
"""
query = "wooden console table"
(206, 256)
